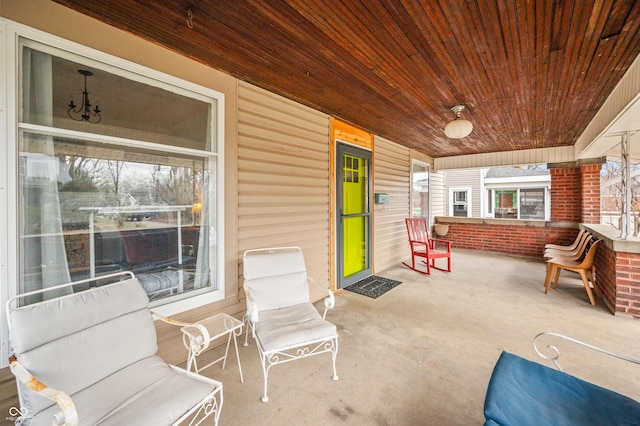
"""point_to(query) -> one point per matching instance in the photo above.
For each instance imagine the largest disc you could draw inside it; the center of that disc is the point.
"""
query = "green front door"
(354, 214)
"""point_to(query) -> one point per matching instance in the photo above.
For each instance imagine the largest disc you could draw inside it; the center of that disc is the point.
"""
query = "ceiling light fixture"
(458, 128)
(83, 111)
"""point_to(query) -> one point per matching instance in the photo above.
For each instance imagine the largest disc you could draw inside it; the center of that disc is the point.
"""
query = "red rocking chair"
(425, 247)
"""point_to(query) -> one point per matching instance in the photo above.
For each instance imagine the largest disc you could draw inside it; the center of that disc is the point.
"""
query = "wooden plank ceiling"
(532, 73)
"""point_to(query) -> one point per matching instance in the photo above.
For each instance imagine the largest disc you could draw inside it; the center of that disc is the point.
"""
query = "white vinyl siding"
(283, 177)
(391, 175)
(506, 158)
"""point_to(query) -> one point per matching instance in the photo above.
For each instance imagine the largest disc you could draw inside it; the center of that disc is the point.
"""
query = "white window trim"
(484, 206)
(469, 200)
(10, 32)
(411, 200)
(487, 199)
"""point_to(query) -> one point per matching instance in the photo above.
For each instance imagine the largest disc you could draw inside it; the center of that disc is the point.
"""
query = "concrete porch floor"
(422, 354)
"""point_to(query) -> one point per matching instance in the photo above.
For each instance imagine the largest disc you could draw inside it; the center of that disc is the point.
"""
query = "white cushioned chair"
(91, 358)
(284, 323)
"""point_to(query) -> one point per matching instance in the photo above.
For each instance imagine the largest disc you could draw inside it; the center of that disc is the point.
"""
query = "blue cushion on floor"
(523, 393)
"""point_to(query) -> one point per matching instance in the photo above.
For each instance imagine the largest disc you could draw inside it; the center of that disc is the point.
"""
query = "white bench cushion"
(129, 396)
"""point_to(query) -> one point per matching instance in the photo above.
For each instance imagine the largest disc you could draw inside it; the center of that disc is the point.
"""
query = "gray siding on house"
(464, 178)
(391, 175)
(283, 177)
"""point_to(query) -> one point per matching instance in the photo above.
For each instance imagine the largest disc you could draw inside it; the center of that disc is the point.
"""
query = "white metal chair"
(91, 358)
(284, 323)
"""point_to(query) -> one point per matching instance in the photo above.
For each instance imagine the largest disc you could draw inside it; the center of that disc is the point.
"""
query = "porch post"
(575, 191)
(565, 192)
(626, 230)
(590, 192)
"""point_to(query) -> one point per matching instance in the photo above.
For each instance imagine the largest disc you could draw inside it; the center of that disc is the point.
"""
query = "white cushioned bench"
(95, 351)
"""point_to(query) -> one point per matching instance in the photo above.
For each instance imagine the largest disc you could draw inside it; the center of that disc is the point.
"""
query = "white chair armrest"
(329, 302)
(252, 307)
(68, 415)
(196, 336)
(170, 320)
(555, 352)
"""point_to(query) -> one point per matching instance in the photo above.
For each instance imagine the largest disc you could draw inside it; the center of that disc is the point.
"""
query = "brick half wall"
(522, 238)
(618, 278)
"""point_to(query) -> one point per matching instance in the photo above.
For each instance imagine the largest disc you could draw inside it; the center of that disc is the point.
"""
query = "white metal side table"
(197, 337)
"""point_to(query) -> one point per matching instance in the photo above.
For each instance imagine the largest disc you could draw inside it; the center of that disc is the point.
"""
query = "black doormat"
(373, 286)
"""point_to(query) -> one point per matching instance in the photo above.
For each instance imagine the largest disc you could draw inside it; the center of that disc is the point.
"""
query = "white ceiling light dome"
(458, 128)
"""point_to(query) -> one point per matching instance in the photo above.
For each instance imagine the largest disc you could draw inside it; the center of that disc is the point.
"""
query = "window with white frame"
(420, 189)
(460, 202)
(131, 182)
(518, 192)
(518, 203)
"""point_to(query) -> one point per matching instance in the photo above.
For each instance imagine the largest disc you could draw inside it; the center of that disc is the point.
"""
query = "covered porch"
(423, 352)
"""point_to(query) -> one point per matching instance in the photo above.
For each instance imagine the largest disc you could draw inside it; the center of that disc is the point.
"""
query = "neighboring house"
(498, 192)
(611, 196)
(610, 212)
(462, 191)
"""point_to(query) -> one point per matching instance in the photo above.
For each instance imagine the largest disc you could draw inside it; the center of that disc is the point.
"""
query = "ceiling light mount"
(458, 109)
(458, 128)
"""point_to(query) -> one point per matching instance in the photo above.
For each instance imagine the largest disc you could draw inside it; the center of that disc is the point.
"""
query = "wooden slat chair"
(571, 246)
(582, 267)
(284, 323)
(574, 253)
(426, 248)
(564, 256)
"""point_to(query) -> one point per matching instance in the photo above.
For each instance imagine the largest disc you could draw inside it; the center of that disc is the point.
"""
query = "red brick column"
(566, 194)
(628, 283)
(575, 192)
(590, 193)
(618, 278)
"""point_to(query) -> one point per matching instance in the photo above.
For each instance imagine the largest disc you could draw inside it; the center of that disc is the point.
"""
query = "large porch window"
(518, 192)
(135, 190)
(420, 189)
